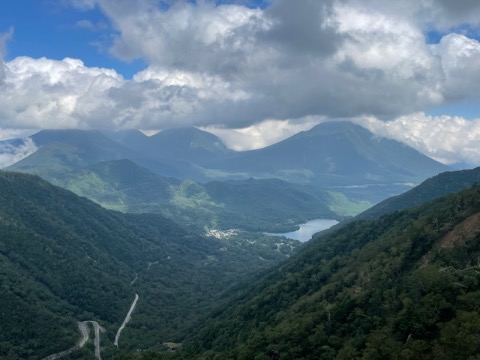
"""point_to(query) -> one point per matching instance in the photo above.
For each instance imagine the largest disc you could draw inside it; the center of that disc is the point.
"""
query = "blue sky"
(49, 29)
(252, 71)
(52, 29)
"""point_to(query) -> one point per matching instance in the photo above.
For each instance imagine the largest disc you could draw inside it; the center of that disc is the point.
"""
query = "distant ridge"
(337, 153)
(443, 184)
(333, 156)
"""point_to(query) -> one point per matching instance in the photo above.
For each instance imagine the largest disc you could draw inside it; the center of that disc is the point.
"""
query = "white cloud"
(235, 67)
(293, 59)
(460, 63)
(10, 154)
(441, 15)
(43, 93)
(4, 38)
(263, 134)
(447, 139)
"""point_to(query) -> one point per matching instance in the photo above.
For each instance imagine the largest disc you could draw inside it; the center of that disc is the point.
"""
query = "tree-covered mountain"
(405, 286)
(432, 188)
(258, 205)
(65, 259)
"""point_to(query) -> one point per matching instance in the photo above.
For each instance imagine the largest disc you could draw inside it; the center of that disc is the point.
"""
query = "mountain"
(120, 185)
(405, 286)
(275, 204)
(433, 188)
(338, 157)
(65, 150)
(94, 144)
(65, 259)
(188, 144)
(188, 150)
(258, 205)
(336, 154)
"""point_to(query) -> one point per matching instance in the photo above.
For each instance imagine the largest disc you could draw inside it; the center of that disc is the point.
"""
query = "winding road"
(82, 326)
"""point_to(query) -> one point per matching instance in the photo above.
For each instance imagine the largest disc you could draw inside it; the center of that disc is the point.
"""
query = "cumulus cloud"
(447, 139)
(3, 45)
(43, 93)
(440, 15)
(263, 134)
(234, 66)
(11, 153)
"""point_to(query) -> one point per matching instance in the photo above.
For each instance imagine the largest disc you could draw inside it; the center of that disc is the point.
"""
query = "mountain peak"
(189, 144)
(338, 153)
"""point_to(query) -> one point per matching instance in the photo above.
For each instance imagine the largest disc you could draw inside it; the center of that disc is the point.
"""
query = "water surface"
(309, 228)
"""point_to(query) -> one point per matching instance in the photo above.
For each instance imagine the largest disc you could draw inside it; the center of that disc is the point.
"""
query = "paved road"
(82, 326)
(96, 341)
(127, 319)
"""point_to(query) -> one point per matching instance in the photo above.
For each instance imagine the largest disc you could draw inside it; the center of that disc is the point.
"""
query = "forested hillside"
(65, 259)
(254, 204)
(406, 286)
(433, 188)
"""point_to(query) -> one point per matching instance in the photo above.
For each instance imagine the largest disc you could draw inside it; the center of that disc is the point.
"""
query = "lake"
(309, 228)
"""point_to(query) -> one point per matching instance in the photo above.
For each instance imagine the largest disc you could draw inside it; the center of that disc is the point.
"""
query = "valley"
(239, 180)
(150, 259)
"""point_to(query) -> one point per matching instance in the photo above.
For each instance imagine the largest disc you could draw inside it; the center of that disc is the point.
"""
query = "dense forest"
(65, 259)
(405, 286)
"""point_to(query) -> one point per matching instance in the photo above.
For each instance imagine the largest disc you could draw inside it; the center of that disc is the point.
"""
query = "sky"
(252, 72)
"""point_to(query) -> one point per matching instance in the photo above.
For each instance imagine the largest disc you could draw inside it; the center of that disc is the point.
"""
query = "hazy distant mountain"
(65, 259)
(433, 188)
(338, 156)
(261, 205)
(331, 154)
(336, 153)
(190, 145)
(64, 150)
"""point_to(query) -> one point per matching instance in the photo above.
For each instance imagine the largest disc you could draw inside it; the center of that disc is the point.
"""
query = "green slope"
(405, 286)
(255, 205)
(64, 259)
(433, 188)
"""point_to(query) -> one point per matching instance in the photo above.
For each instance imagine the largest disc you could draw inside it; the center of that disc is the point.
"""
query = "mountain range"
(330, 154)
(402, 284)
(335, 157)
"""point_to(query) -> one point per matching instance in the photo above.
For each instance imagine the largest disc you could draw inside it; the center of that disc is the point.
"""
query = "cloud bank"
(233, 66)
(447, 139)
(236, 66)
